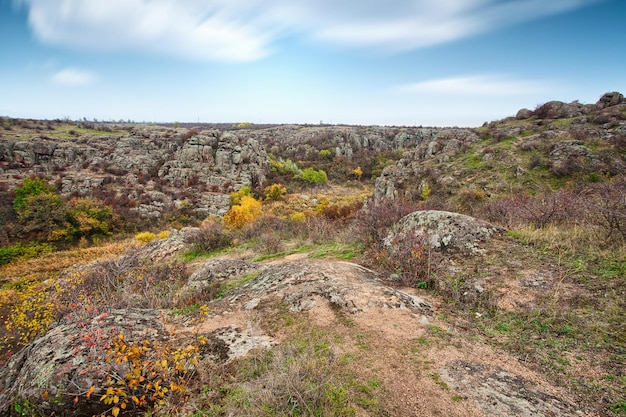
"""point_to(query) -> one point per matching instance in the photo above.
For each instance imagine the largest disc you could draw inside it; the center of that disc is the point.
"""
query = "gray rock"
(444, 231)
(215, 271)
(523, 114)
(499, 392)
(72, 357)
(346, 286)
(610, 99)
(408, 170)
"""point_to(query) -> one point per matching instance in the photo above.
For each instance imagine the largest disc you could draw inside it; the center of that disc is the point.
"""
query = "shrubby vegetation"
(312, 176)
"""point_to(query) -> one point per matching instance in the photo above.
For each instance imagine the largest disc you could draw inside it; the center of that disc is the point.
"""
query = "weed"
(437, 378)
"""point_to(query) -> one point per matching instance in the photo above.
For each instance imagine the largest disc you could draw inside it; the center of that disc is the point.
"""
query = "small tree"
(88, 217)
(39, 208)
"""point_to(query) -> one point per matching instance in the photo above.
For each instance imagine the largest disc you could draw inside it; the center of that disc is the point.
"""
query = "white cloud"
(481, 85)
(73, 76)
(240, 30)
(197, 29)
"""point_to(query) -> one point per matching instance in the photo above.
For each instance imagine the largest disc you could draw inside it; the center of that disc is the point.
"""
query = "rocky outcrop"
(610, 99)
(215, 272)
(153, 168)
(306, 142)
(301, 285)
(405, 176)
(444, 231)
(560, 110)
(571, 156)
(348, 287)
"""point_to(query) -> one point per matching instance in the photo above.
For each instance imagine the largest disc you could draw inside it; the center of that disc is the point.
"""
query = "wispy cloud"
(73, 76)
(240, 30)
(481, 85)
(196, 29)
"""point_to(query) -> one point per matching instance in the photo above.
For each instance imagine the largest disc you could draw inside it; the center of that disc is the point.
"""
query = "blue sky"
(384, 62)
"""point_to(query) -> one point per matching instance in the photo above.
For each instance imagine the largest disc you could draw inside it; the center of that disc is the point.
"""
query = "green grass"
(195, 254)
(235, 283)
(563, 123)
(63, 132)
(300, 249)
(185, 310)
(338, 250)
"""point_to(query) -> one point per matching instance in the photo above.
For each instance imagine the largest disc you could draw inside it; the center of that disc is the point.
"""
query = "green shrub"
(19, 251)
(283, 167)
(42, 215)
(313, 176)
(30, 187)
(86, 217)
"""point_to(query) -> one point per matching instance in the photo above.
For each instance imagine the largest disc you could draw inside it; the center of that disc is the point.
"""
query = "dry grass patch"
(51, 264)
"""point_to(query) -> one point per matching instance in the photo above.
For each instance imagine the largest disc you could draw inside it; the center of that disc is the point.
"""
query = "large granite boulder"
(444, 231)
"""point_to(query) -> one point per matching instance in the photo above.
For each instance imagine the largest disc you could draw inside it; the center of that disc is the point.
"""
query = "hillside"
(316, 270)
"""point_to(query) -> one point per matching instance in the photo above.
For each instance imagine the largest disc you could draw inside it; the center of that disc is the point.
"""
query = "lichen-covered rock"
(523, 114)
(215, 271)
(570, 156)
(610, 99)
(444, 231)
(346, 286)
(501, 393)
(72, 357)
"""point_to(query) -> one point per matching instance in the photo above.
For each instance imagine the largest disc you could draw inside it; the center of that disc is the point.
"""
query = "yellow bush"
(274, 192)
(145, 237)
(245, 212)
(164, 234)
(298, 217)
(322, 204)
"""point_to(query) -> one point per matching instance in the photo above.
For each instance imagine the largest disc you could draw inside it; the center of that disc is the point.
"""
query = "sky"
(366, 62)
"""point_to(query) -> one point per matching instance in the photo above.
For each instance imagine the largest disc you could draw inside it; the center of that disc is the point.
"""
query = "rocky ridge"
(155, 170)
(567, 138)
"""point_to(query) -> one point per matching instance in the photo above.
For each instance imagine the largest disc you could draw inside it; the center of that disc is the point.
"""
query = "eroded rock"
(346, 286)
(498, 392)
(444, 231)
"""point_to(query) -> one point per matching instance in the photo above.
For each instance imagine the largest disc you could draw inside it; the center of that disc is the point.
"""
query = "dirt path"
(426, 366)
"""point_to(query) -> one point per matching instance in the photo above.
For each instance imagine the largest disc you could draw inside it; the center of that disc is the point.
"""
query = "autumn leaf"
(115, 411)
(90, 391)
